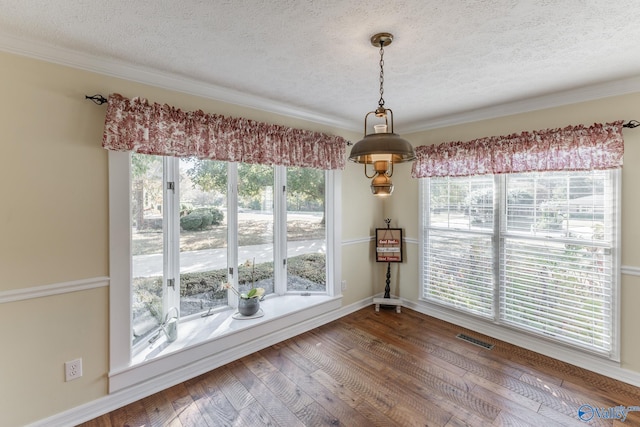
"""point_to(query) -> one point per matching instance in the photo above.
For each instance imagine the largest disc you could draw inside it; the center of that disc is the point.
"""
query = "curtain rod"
(99, 100)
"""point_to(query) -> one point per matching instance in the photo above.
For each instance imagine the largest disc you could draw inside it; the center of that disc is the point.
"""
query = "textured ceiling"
(450, 60)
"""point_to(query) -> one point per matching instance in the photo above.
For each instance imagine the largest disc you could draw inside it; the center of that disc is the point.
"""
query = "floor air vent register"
(474, 341)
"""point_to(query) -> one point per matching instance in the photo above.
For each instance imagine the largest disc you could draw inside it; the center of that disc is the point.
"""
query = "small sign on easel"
(388, 249)
(388, 245)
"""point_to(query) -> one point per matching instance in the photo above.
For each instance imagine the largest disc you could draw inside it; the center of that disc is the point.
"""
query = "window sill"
(204, 343)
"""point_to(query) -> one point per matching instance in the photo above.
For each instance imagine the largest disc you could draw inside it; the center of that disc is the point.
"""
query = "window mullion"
(232, 231)
(499, 218)
(171, 228)
(280, 231)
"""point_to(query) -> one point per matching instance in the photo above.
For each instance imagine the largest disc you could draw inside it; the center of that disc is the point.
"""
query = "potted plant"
(248, 302)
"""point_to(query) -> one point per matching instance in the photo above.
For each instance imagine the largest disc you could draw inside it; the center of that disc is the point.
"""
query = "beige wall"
(54, 229)
(404, 206)
(361, 213)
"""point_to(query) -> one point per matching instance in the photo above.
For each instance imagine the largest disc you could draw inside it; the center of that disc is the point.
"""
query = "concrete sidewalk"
(213, 259)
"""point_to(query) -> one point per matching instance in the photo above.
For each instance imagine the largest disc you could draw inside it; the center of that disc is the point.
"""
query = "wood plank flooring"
(384, 369)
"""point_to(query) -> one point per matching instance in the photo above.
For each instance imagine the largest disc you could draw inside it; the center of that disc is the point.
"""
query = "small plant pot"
(248, 306)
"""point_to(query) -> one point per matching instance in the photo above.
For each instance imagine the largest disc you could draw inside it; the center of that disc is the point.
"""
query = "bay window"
(197, 200)
(195, 223)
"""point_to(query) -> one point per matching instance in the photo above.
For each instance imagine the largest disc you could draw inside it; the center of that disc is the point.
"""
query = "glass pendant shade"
(381, 184)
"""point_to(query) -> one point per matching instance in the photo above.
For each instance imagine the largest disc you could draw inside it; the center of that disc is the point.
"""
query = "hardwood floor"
(385, 369)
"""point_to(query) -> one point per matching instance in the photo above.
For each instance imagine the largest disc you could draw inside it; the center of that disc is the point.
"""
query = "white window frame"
(494, 326)
(120, 299)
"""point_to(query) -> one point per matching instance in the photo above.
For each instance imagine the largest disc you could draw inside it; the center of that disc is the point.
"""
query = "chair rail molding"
(14, 295)
(630, 270)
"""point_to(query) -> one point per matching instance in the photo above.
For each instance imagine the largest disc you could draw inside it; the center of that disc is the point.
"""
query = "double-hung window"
(458, 243)
(535, 251)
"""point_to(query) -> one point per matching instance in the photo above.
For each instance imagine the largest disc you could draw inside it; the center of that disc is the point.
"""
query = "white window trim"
(122, 373)
(553, 348)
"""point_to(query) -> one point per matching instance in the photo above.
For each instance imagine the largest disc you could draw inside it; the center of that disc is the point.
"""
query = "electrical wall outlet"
(344, 285)
(73, 369)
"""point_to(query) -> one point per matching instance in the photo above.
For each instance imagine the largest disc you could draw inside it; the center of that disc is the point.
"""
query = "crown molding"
(557, 99)
(148, 76)
(144, 75)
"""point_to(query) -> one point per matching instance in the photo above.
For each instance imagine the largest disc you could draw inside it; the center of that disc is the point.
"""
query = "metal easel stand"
(387, 301)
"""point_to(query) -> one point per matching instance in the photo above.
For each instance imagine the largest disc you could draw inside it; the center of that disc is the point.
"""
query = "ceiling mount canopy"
(382, 145)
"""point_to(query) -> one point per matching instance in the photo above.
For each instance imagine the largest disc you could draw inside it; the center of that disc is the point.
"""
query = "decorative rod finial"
(97, 99)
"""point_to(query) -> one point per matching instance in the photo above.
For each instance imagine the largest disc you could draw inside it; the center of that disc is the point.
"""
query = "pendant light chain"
(381, 101)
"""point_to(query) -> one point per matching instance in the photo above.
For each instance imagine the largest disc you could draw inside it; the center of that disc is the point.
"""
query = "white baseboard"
(583, 360)
(113, 401)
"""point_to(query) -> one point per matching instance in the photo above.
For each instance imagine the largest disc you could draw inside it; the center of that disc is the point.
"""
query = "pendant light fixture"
(382, 148)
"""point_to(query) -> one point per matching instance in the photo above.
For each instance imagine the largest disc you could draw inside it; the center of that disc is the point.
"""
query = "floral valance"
(600, 146)
(138, 126)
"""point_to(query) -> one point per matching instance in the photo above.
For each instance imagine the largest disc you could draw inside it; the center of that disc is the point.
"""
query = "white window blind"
(557, 276)
(458, 255)
(534, 251)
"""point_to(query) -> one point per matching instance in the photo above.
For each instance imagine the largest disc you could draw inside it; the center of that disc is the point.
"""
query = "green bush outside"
(201, 218)
(191, 222)
(308, 266)
(217, 215)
